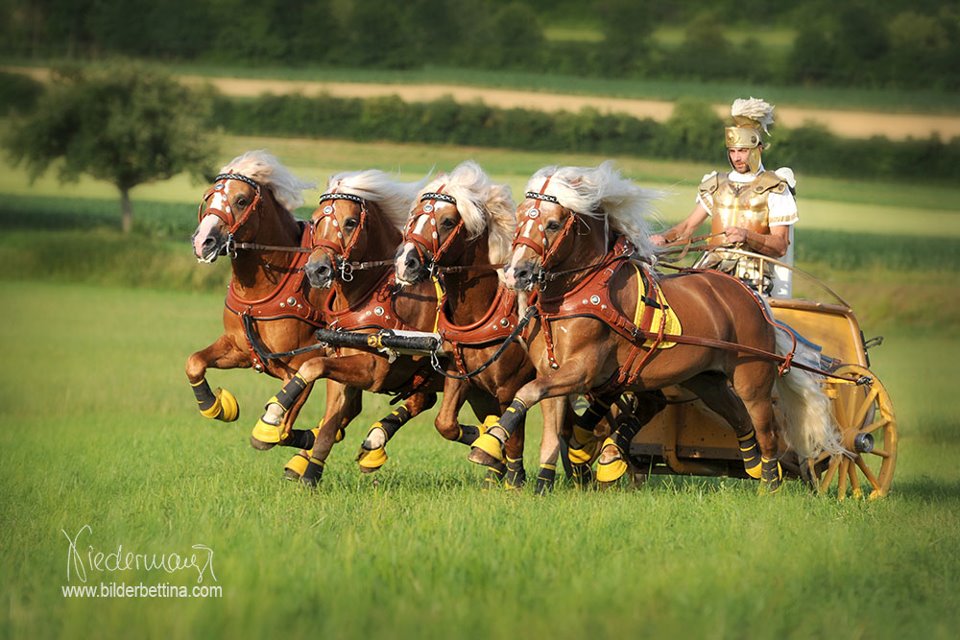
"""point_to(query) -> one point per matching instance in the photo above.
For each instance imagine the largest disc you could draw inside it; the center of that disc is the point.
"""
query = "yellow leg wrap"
(297, 464)
(488, 422)
(372, 460)
(225, 408)
(489, 445)
(341, 434)
(584, 448)
(611, 471)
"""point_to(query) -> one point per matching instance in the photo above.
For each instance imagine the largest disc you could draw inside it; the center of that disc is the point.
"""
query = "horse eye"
(350, 224)
(447, 224)
(553, 225)
(241, 202)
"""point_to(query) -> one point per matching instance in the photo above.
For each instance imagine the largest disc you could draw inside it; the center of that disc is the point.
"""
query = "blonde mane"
(394, 198)
(483, 205)
(264, 168)
(599, 191)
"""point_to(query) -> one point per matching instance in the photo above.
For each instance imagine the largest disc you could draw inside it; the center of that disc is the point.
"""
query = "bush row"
(692, 133)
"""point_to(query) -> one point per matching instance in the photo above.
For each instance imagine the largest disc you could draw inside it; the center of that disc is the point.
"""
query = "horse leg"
(488, 448)
(222, 354)
(713, 390)
(554, 413)
(373, 454)
(490, 407)
(353, 371)
(343, 405)
(297, 464)
(753, 384)
(611, 465)
(583, 447)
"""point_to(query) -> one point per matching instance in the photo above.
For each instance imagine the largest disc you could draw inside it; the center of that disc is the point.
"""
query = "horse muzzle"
(208, 245)
(523, 276)
(319, 272)
(409, 267)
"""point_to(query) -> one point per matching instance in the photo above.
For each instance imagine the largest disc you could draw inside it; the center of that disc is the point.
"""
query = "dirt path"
(854, 124)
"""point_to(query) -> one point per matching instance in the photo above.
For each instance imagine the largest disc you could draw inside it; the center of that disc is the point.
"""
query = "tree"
(126, 124)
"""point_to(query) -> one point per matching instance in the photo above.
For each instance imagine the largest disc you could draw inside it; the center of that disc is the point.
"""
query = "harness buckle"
(346, 271)
(230, 247)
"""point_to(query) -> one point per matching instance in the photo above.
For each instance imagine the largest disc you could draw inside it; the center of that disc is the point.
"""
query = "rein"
(521, 325)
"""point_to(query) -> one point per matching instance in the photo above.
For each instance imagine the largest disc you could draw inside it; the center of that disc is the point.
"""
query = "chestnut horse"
(459, 233)
(573, 244)
(359, 217)
(269, 307)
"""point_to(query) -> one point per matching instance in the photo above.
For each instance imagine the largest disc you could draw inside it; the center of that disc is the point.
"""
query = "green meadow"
(98, 427)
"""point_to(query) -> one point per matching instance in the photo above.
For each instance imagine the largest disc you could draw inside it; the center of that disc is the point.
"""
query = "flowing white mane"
(599, 191)
(394, 198)
(483, 205)
(264, 168)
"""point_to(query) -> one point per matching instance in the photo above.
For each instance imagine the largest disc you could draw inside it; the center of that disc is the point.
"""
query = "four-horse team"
(567, 300)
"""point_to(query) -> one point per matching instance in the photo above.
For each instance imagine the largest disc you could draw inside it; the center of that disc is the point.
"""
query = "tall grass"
(99, 428)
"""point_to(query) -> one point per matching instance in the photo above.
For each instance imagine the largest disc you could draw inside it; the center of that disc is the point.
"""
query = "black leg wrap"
(468, 433)
(204, 395)
(300, 439)
(582, 475)
(749, 450)
(397, 418)
(290, 392)
(513, 417)
(311, 477)
(593, 415)
(770, 474)
(515, 476)
(626, 430)
(545, 480)
(494, 475)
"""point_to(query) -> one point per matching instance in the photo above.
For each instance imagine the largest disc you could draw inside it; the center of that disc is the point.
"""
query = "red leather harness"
(493, 328)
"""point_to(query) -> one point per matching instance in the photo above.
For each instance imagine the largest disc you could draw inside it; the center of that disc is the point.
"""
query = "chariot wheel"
(868, 429)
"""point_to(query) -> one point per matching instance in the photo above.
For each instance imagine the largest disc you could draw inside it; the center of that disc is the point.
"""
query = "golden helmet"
(751, 119)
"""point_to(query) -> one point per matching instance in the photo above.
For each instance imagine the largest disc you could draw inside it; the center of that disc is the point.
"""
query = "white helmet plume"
(755, 109)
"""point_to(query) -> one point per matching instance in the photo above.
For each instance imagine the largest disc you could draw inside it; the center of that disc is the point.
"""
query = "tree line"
(903, 44)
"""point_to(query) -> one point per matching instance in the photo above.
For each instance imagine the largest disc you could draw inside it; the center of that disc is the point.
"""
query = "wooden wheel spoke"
(861, 413)
(868, 474)
(854, 478)
(880, 452)
(842, 478)
(873, 426)
(829, 473)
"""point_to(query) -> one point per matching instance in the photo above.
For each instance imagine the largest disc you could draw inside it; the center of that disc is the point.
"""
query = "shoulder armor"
(710, 183)
(769, 181)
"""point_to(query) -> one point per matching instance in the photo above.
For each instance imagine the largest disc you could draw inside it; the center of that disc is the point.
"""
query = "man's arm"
(773, 244)
(683, 230)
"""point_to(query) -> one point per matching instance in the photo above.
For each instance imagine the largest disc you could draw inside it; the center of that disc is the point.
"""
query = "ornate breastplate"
(740, 204)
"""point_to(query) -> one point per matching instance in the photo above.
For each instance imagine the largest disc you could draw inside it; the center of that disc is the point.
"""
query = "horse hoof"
(265, 435)
(296, 466)
(486, 450)
(260, 445)
(371, 460)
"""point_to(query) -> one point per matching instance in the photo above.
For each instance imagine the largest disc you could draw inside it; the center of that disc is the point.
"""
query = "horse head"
(358, 217)
(568, 219)
(458, 218)
(247, 190)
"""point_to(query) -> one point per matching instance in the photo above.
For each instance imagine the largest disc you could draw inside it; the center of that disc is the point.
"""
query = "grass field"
(98, 427)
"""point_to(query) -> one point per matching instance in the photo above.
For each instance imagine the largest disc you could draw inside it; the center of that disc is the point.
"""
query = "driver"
(751, 208)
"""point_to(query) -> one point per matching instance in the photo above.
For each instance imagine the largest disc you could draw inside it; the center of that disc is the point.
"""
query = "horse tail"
(810, 427)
